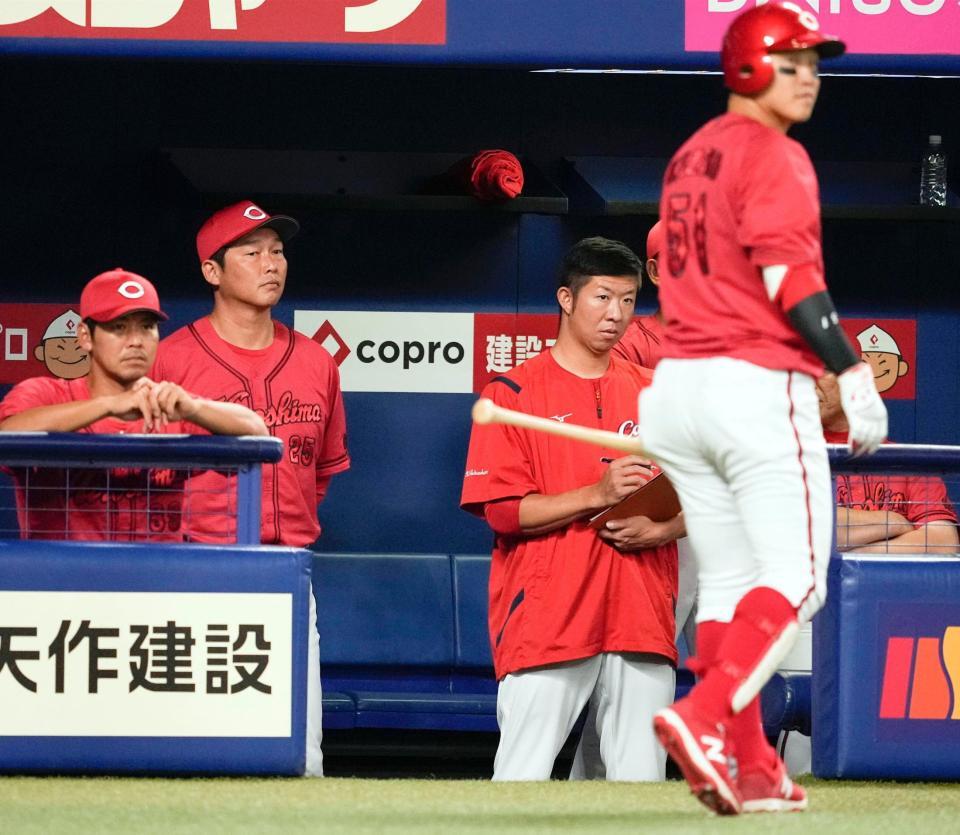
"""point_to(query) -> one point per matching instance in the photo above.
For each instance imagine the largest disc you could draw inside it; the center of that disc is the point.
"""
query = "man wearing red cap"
(240, 354)
(732, 414)
(119, 313)
(642, 343)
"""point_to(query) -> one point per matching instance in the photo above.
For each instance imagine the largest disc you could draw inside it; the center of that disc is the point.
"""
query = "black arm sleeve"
(816, 320)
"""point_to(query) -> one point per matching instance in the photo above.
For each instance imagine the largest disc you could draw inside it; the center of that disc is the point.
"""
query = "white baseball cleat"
(698, 747)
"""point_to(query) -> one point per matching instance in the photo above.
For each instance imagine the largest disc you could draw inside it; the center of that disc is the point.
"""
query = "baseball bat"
(486, 411)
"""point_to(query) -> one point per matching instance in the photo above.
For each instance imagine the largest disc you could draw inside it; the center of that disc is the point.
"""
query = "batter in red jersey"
(732, 415)
(240, 354)
(642, 342)
(575, 615)
(119, 312)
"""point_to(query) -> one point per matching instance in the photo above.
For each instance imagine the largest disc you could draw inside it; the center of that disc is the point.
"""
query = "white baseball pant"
(743, 445)
(537, 709)
(587, 762)
(314, 763)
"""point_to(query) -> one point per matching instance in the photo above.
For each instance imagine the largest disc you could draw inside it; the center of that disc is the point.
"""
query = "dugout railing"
(390, 661)
(149, 656)
(886, 646)
(115, 469)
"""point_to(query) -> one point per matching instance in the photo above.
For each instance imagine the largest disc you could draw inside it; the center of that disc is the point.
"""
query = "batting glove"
(863, 408)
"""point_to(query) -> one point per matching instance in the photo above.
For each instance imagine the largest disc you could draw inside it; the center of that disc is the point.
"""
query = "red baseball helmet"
(774, 27)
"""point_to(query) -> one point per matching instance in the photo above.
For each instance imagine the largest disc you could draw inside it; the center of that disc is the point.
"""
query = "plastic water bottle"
(933, 175)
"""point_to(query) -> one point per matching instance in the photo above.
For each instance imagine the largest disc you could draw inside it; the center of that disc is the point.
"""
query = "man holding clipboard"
(577, 614)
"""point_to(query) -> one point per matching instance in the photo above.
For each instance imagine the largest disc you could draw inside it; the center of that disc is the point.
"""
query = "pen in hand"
(605, 460)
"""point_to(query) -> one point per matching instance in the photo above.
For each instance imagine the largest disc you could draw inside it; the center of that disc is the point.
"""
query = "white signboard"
(145, 664)
(395, 352)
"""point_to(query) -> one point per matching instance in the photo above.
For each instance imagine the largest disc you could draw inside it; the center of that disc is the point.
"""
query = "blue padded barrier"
(74, 449)
(896, 458)
(473, 680)
(887, 669)
(68, 721)
(430, 711)
(339, 711)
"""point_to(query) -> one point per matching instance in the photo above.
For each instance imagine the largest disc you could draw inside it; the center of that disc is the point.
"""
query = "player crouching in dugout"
(120, 314)
(576, 615)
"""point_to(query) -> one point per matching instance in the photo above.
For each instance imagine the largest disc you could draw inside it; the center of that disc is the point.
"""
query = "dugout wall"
(93, 173)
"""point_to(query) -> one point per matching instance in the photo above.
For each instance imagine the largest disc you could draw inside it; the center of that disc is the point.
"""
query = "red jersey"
(294, 385)
(642, 342)
(919, 499)
(107, 503)
(737, 196)
(565, 595)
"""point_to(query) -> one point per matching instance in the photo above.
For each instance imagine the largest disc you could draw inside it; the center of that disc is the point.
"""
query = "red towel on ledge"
(495, 175)
(487, 176)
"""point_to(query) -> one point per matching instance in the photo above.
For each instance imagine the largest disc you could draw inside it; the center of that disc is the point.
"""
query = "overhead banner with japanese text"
(331, 21)
(897, 36)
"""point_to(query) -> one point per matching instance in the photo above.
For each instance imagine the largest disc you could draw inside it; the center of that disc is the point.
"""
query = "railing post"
(248, 504)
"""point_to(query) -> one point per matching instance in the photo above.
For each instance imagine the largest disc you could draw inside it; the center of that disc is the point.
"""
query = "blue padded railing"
(896, 458)
(243, 454)
(786, 698)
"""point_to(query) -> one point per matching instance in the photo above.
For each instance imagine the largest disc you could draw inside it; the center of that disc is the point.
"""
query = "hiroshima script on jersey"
(871, 495)
(919, 499)
(287, 410)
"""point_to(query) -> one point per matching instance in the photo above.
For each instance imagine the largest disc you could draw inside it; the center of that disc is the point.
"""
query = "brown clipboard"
(657, 500)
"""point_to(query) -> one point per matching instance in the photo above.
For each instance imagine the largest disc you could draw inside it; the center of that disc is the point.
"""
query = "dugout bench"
(404, 644)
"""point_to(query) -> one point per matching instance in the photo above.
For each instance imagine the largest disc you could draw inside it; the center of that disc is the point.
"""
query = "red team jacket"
(565, 595)
(642, 342)
(737, 196)
(114, 504)
(294, 386)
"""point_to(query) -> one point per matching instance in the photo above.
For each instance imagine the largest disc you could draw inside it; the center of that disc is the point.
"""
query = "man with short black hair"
(241, 354)
(576, 614)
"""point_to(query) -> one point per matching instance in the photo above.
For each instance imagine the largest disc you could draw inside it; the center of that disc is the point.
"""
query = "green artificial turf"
(127, 805)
